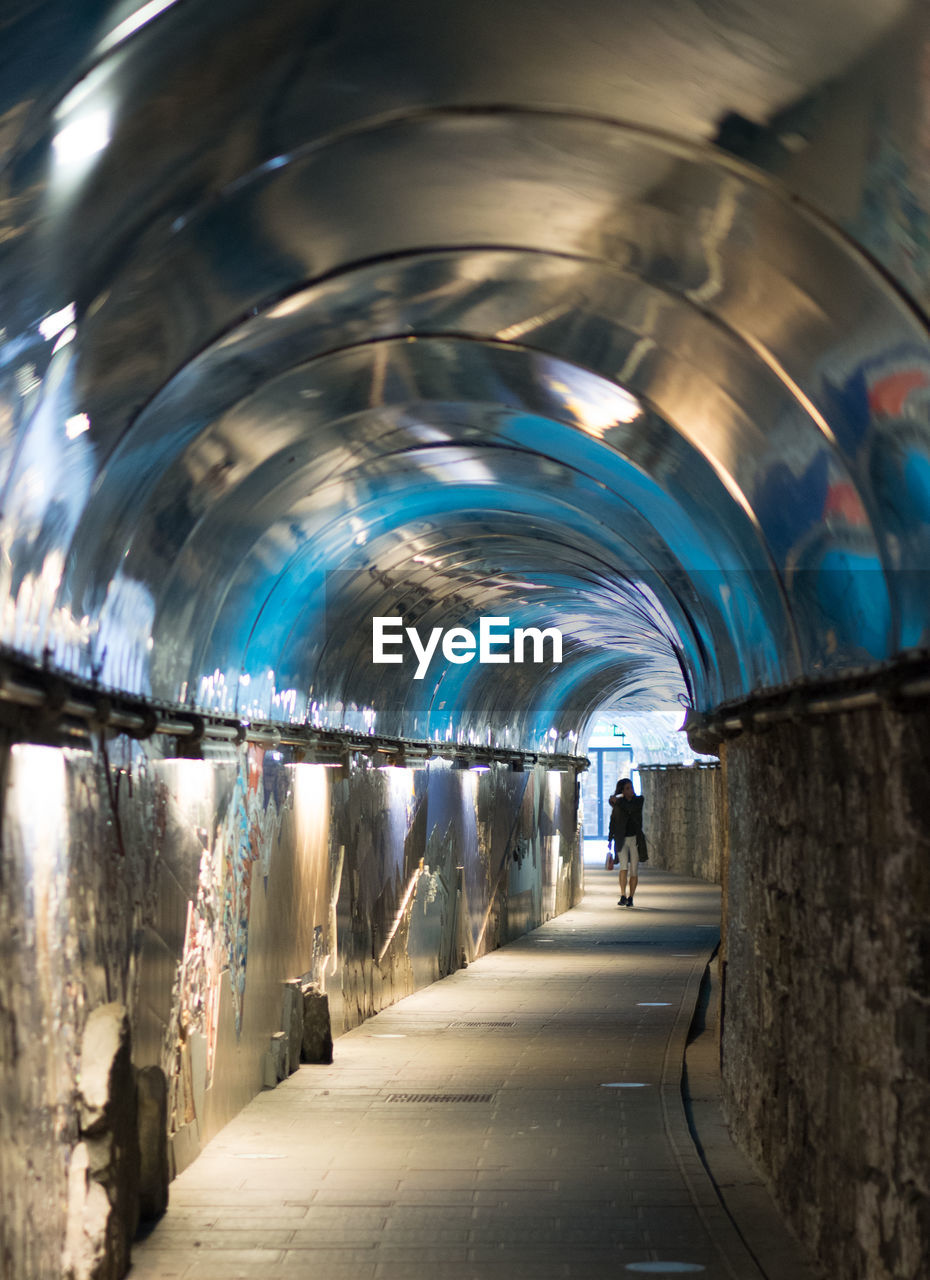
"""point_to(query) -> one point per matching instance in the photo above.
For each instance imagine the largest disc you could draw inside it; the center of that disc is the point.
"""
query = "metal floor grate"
(628, 942)
(478, 1026)
(440, 1097)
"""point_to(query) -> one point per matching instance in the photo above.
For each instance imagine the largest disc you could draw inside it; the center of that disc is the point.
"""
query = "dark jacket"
(626, 818)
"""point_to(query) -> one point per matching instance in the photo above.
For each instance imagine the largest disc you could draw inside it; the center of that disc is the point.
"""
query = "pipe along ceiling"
(316, 312)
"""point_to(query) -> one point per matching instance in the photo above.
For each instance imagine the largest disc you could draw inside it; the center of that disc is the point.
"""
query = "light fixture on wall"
(331, 755)
(70, 709)
(407, 758)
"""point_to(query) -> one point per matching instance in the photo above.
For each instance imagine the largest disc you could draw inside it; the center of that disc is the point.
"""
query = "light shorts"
(628, 853)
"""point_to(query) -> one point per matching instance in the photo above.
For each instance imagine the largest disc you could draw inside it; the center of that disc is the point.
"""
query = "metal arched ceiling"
(318, 311)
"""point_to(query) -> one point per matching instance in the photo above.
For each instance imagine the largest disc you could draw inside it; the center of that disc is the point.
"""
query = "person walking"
(626, 825)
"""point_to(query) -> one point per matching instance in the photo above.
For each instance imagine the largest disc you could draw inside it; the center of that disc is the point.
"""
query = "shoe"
(629, 902)
(622, 902)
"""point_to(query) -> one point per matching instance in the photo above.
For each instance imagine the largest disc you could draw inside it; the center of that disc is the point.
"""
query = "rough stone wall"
(684, 818)
(827, 994)
(195, 895)
(76, 881)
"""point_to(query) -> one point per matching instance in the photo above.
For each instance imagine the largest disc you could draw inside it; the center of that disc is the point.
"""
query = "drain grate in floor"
(628, 942)
(478, 1026)
(440, 1097)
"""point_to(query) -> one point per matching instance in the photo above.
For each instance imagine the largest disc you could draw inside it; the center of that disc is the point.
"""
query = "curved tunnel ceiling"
(334, 312)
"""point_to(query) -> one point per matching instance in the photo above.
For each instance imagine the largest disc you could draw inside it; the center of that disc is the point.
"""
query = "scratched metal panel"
(192, 891)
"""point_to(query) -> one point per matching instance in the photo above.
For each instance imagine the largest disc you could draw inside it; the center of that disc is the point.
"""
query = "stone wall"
(198, 906)
(827, 990)
(684, 818)
(75, 885)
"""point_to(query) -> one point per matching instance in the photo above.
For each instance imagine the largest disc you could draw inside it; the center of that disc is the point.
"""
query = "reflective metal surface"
(321, 312)
(194, 893)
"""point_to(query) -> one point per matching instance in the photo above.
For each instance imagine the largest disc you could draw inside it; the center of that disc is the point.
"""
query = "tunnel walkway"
(521, 1118)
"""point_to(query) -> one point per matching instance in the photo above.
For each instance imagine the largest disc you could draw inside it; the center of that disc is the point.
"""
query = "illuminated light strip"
(66, 336)
(77, 425)
(58, 320)
(135, 22)
(82, 138)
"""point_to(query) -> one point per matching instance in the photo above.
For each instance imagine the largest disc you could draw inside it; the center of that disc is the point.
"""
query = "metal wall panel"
(191, 891)
(309, 296)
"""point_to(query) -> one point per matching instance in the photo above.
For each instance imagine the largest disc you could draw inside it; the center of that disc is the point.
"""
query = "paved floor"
(522, 1118)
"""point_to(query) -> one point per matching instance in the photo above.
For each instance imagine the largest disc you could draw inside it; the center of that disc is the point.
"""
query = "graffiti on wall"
(242, 868)
(392, 878)
(235, 848)
(245, 842)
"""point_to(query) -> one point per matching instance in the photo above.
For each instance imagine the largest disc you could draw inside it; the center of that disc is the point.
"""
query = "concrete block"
(317, 1037)
(152, 1088)
(279, 1055)
(292, 1021)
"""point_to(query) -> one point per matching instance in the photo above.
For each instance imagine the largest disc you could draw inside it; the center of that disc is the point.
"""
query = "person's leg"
(623, 874)
(631, 851)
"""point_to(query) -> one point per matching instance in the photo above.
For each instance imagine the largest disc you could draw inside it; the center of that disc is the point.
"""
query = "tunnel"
(391, 397)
